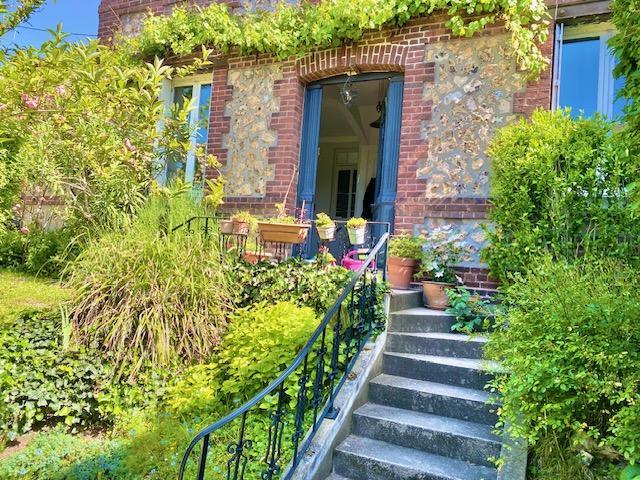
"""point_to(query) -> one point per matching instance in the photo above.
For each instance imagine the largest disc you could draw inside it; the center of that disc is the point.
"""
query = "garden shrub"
(569, 339)
(39, 252)
(294, 280)
(57, 455)
(143, 295)
(559, 186)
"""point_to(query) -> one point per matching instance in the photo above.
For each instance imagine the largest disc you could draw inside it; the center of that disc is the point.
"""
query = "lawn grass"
(21, 292)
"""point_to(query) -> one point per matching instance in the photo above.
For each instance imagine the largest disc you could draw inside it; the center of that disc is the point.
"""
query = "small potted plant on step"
(242, 223)
(326, 227)
(405, 252)
(442, 249)
(356, 227)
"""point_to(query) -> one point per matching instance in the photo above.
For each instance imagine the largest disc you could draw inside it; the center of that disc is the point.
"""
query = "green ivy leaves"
(293, 31)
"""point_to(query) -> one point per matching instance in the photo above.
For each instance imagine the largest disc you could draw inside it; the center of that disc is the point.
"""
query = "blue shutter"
(309, 150)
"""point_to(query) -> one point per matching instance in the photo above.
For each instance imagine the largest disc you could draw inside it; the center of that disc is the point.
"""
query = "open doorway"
(349, 145)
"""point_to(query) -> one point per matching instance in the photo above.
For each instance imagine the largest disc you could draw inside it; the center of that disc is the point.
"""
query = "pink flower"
(16, 208)
(24, 230)
(129, 146)
(61, 90)
(3, 106)
(29, 101)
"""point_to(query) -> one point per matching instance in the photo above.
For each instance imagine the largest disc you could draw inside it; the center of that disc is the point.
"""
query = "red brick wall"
(399, 50)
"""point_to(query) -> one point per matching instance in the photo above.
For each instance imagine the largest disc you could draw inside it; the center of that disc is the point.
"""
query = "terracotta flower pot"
(294, 233)
(400, 271)
(327, 233)
(226, 227)
(356, 235)
(240, 228)
(435, 294)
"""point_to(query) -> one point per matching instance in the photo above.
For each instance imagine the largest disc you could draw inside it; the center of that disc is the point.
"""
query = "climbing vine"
(11, 18)
(295, 30)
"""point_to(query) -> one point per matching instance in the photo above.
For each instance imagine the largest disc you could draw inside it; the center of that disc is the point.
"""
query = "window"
(345, 199)
(197, 90)
(583, 71)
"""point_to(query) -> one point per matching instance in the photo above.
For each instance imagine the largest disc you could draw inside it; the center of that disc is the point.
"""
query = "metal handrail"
(300, 359)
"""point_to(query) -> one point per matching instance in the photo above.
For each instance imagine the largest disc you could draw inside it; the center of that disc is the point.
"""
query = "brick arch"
(359, 58)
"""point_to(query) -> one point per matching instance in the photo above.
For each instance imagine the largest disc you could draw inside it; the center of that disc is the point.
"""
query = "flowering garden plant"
(443, 247)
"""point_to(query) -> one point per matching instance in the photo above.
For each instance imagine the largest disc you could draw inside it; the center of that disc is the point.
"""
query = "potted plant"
(325, 226)
(442, 249)
(226, 226)
(356, 227)
(283, 228)
(241, 223)
(405, 252)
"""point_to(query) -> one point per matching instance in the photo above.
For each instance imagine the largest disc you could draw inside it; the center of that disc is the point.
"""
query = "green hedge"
(559, 186)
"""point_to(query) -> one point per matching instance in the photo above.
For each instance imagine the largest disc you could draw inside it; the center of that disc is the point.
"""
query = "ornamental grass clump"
(144, 295)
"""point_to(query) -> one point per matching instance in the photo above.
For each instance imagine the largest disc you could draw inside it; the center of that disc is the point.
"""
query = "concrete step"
(448, 437)
(463, 372)
(436, 343)
(404, 299)
(367, 459)
(430, 397)
(334, 476)
(420, 320)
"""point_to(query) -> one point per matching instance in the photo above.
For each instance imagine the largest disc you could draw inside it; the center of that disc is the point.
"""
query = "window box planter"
(293, 233)
(401, 271)
(435, 294)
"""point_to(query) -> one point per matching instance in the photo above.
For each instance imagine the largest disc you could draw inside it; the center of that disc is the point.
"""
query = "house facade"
(394, 127)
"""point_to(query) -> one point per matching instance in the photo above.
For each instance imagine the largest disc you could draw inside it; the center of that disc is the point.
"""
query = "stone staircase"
(427, 416)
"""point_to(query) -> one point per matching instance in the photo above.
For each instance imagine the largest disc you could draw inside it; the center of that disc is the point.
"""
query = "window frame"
(168, 98)
(606, 61)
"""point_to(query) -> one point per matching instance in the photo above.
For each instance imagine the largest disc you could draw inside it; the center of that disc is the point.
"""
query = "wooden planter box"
(294, 233)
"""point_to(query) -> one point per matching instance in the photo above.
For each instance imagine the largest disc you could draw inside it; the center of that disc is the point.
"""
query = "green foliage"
(146, 296)
(20, 12)
(21, 293)
(261, 342)
(40, 252)
(471, 311)
(79, 123)
(356, 223)
(324, 220)
(406, 246)
(559, 185)
(44, 380)
(294, 280)
(569, 341)
(632, 472)
(443, 248)
(295, 30)
(626, 47)
(56, 455)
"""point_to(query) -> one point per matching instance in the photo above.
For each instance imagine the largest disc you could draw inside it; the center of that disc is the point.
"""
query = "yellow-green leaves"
(293, 30)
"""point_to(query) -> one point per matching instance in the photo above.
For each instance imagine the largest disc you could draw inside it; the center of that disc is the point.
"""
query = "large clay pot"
(435, 294)
(400, 271)
(295, 233)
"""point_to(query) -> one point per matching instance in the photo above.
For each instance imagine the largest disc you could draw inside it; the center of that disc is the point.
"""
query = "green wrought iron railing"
(266, 437)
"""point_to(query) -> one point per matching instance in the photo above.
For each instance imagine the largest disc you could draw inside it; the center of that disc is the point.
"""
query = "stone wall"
(472, 96)
(247, 168)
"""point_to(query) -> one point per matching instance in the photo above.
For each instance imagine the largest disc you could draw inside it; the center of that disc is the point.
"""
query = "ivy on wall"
(291, 30)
